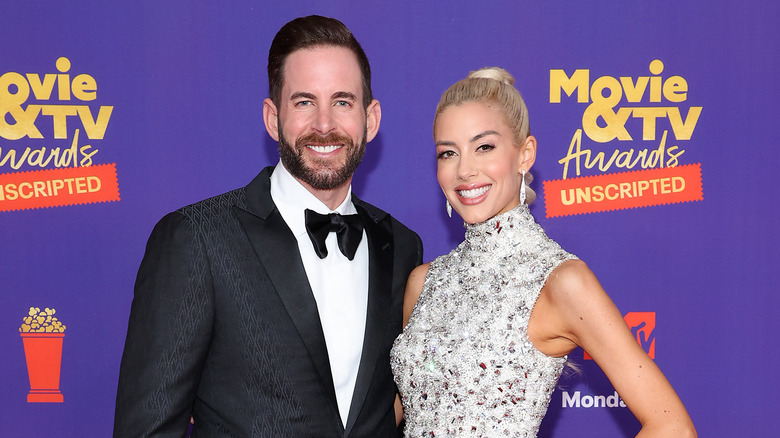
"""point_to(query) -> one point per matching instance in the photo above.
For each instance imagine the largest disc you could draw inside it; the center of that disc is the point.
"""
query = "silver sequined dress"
(464, 364)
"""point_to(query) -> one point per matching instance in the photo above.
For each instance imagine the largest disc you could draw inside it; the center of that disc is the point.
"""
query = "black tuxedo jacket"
(224, 327)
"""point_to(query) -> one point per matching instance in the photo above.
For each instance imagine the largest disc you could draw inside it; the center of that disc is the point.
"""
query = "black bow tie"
(348, 228)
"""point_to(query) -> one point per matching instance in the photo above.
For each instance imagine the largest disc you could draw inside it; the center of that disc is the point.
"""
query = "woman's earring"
(449, 208)
(522, 189)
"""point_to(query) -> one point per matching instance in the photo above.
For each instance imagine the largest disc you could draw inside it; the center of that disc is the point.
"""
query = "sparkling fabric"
(464, 364)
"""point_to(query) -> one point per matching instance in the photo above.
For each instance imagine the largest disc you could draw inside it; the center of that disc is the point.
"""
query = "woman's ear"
(527, 154)
(271, 119)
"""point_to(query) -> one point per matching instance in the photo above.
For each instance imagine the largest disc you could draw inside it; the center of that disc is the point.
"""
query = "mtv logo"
(642, 326)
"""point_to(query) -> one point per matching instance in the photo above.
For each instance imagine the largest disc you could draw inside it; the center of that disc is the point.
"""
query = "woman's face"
(479, 166)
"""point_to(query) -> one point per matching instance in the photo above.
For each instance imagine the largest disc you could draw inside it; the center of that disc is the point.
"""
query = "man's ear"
(527, 154)
(271, 118)
(373, 117)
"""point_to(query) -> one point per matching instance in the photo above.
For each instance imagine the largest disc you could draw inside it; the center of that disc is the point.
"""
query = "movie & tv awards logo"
(620, 112)
(41, 129)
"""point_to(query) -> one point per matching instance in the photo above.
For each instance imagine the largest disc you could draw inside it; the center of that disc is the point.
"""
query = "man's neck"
(332, 198)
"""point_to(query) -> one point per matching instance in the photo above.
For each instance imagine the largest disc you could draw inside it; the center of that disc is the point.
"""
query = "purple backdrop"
(186, 82)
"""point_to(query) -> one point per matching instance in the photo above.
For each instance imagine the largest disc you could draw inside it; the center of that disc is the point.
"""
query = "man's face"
(322, 125)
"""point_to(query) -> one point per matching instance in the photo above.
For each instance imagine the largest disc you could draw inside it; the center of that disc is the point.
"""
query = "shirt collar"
(292, 198)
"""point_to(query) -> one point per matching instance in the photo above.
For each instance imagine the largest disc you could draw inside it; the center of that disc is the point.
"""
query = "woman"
(489, 325)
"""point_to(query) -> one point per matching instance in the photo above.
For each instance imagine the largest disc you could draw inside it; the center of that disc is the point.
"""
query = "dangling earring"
(522, 189)
(449, 208)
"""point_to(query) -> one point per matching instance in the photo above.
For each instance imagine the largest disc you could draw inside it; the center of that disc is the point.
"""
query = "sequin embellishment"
(464, 364)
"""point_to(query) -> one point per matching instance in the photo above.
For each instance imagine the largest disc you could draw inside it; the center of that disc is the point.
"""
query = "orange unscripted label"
(619, 191)
(58, 187)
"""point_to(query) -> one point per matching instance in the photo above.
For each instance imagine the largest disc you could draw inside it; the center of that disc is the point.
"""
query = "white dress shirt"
(340, 286)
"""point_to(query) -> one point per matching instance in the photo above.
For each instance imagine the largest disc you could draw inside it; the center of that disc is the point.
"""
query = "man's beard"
(318, 174)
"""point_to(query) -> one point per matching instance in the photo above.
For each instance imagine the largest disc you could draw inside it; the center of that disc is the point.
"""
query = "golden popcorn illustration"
(38, 321)
(42, 336)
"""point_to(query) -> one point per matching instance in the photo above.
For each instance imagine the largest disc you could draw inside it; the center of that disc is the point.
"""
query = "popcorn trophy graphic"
(42, 335)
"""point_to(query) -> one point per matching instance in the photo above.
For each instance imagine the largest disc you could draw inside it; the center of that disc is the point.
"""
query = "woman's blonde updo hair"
(493, 85)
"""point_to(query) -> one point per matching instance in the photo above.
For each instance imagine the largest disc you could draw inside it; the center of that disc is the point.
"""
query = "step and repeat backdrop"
(657, 165)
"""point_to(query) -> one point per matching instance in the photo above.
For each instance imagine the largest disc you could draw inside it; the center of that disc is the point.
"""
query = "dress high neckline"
(504, 230)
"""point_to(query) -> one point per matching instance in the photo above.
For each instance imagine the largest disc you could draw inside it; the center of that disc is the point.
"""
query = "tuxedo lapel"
(380, 270)
(277, 251)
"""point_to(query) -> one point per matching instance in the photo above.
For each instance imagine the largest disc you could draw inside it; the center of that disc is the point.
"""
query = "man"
(243, 317)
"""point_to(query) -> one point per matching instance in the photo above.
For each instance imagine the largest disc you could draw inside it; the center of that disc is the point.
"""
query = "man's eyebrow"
(302, 95)
(344, 95)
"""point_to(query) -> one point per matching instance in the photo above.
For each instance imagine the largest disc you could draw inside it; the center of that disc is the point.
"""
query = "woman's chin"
(474, 217)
